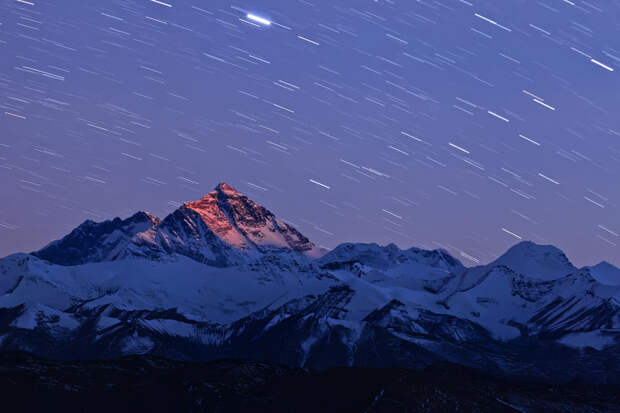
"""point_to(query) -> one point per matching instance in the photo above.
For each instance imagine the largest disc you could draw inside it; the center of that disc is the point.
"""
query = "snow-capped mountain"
(544, 262)
(223, 277)
(222, 228)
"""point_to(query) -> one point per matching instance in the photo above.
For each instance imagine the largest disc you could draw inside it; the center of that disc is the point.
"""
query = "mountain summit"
(222, 228)
(544, 262)
(243, 224)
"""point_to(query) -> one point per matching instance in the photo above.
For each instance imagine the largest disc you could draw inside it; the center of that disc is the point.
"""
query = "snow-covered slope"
(605, 273)
(199, 292)
(223, 277)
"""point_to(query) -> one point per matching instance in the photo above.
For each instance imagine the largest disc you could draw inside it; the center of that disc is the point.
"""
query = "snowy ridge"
(223, 277)
(105, 241)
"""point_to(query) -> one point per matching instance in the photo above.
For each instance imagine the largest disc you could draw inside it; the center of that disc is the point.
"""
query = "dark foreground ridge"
(149, 384)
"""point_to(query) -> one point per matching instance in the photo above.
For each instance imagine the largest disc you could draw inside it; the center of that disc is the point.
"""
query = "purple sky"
(456, 124)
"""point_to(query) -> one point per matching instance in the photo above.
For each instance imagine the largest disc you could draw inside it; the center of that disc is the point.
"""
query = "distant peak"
(226, 188)
(604, 264)
(545, 262)
(605, 273)
(144, 216)
(531, 248)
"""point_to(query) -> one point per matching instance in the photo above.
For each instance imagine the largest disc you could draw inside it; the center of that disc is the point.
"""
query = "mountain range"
(223, 277)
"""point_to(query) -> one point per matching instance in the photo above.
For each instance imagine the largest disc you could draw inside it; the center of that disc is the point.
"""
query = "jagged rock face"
(185, 232)
(243, 224)
(106, 241)
(222, 228)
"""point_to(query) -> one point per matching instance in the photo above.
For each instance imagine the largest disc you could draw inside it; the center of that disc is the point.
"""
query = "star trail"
(463, 125)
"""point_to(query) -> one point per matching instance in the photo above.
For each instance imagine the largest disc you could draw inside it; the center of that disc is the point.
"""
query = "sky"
(463, 125)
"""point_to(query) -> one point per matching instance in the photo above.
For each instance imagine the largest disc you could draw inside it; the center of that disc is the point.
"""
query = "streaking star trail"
(258, 19)
(450, 115)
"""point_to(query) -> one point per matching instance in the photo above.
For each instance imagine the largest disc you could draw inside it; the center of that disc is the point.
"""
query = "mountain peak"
(605, 273)
(221, 191)
(227, 189)
(545, 262)
(144, 216)
(533, 249)
(245, 225)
